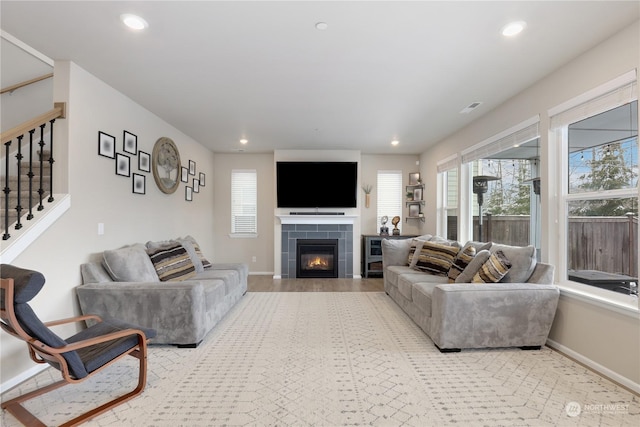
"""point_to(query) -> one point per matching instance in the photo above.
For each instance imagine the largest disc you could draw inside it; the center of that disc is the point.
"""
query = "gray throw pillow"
(472, 268)
(523, 262)
(129, 264)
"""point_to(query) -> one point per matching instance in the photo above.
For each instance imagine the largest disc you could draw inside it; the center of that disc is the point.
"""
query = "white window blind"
(244, 191)
(448, 163)
(517, 135)
(390, 194)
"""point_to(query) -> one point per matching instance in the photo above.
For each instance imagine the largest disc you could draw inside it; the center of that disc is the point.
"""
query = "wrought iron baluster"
(41, 144)
(6, 190)
(30, 175)
(19, 186)
(51, 161)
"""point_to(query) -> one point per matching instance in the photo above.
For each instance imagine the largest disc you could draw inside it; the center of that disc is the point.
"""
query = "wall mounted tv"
(316, 184)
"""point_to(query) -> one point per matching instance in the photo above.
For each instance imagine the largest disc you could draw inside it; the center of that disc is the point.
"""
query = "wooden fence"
(607, 244)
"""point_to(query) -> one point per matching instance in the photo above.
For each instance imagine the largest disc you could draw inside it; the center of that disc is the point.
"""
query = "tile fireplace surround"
(318, 227)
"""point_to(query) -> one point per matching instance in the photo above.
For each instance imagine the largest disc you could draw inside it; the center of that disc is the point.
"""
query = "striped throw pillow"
(493, 270)
(436, 258)
(172, 263)
(464, 257)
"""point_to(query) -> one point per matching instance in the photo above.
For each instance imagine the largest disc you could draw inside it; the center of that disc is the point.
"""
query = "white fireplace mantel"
(317, 219)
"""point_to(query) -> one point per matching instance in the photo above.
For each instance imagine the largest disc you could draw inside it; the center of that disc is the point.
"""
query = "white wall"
(100, 196)
(603, 338)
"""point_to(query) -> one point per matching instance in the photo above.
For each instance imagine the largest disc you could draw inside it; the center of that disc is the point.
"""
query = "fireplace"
(317, 258)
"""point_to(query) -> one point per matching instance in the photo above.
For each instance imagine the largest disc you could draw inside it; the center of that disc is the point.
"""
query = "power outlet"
(100, 229)
(253, 259)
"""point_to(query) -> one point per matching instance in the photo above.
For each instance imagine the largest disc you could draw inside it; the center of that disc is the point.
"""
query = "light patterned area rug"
(339, 359)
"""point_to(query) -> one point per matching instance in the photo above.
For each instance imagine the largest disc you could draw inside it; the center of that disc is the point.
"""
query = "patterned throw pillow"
(172, 263)
(493, 270)
(464, 257)
(436, 258)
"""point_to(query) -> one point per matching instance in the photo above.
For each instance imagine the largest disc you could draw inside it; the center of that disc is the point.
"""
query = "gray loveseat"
(192, 297)
(517, 311)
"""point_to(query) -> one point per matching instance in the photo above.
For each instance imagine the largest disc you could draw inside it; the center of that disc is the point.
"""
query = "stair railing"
(18, 133)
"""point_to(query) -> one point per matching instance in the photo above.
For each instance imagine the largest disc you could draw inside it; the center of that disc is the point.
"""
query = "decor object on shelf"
(414, 178)
(367, 194)
(106, 145)
(130, 143)
(481, 186)
(395, 221)
(384, 230)
(166, 165)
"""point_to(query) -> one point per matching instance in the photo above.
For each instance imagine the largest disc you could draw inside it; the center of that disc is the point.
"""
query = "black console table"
(372, 253)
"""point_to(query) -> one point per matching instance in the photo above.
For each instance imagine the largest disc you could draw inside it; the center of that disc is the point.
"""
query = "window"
(506, 186)
(244, 202)
(448, 196)
(389, 195)
(599, 143)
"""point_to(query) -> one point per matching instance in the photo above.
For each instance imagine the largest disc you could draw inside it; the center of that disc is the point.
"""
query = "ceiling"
(222, 71)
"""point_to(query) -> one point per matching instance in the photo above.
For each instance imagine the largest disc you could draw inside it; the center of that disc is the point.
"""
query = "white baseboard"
(603, 370)
(8, 385)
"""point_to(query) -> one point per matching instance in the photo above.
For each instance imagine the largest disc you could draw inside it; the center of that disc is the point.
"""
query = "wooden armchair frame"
(42, 353)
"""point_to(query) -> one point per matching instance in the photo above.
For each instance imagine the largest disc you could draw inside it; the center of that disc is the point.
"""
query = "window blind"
(244, 193)
(514, 136)
(448, 163)
(389, 194)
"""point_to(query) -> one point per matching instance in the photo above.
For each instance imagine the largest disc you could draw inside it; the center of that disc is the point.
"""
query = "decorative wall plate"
(166, 165)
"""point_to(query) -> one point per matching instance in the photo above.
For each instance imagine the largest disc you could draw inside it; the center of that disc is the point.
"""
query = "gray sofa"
(517, 311)
(192, 298)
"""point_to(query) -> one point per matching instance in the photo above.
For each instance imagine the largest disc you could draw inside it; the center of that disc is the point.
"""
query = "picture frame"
(144, 161)
(139, 183)
(414, 178)
(196, 185)
(414, 211)
(201, 179)
(123, 165)
(417, 194)
(129, 143)
(188, 194)
(184, 174)
(106, 145)
(192, 167)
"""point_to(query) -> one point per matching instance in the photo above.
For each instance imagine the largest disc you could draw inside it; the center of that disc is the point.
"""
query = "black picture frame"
(144, 161)
(201, 179)
(139, 183)
(196, 185)
(184, 174)
(123, 165)
(106, 145)
(192, 167)
(188, 194)
(129, 143)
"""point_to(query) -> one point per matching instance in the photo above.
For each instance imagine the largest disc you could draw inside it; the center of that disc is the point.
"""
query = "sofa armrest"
(175, 309)
(542, 274)
(492, 315)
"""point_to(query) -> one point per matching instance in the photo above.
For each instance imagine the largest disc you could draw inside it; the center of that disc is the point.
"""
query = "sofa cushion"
(129, 264)
(470, 270)
(522, 259)
(436, 258)
(395, 251)
(464, 257)
(421, 295)
(493, 270)
(231, 278)
(392, 273)
(408, 280)
(172, 262)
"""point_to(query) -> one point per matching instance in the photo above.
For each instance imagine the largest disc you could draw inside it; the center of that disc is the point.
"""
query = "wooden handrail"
(58, 112)
(25, 83)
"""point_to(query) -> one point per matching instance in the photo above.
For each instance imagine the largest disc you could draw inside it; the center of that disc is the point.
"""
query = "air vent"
(470, 107)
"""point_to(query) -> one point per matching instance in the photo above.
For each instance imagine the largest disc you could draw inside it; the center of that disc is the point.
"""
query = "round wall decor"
(166, 165)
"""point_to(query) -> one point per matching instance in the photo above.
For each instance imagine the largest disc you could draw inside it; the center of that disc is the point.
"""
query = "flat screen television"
(316, 184)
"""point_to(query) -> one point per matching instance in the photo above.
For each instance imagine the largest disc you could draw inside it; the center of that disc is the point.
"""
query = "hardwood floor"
(269, 284)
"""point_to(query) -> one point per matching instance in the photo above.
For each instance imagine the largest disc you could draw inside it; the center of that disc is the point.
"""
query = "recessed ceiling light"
(513, 28)
(134, 21)
(395, 142)
(243, 141)
(322, 26)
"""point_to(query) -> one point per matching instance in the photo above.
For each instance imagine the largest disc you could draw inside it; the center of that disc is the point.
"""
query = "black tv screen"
(316, 184)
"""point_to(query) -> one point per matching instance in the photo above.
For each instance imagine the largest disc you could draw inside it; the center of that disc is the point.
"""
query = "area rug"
(340, 359)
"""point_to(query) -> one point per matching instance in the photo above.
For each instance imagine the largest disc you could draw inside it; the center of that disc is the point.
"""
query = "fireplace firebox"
(317, 258)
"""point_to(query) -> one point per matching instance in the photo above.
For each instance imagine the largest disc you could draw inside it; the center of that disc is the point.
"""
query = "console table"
(372, 252)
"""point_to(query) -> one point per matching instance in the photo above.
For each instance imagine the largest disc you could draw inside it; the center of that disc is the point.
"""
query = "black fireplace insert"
(317, 258)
